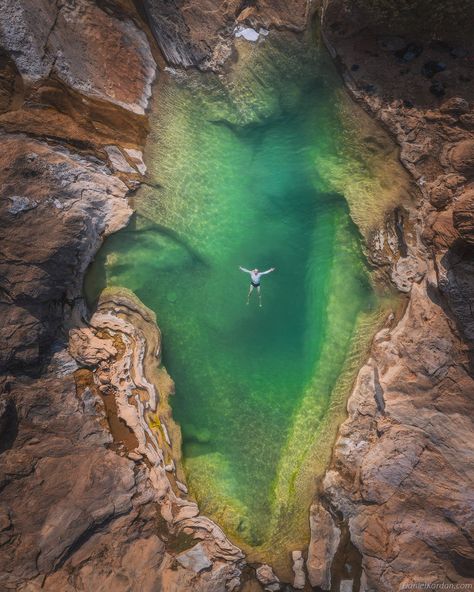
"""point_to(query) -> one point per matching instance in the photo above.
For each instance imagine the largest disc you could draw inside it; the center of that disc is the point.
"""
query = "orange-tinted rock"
(462, 157)
(102, 56)
(455, 106)
(90, 50)
(463, 215)
(59, 193)
(402, 465)
(325, 537)
(192, 32)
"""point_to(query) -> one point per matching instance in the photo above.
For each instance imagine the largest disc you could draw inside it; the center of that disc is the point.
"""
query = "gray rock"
(21, 204)
(195, 559)
(298, 570)
(346, 586)
(325, 537)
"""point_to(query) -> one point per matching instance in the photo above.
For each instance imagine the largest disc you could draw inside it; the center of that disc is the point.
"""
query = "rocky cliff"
(401, 474)
(92, 492)
(92, 495)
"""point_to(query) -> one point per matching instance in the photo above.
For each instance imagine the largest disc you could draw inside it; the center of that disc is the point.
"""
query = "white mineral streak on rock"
(249, 34)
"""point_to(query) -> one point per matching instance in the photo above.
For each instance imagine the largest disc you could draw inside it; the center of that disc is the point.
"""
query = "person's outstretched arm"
(243, 269)
(268, 271)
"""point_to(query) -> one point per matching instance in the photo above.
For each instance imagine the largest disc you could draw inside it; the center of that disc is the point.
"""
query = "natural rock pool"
(242, 170)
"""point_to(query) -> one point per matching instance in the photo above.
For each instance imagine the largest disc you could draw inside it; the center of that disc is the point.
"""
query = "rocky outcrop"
(402, 463)
(191, 33)
(97, 53)
(92, 491)
(93, 496)
(92, 461)
(50, 188)
(462, 215)
(75, 72)
(325, 538)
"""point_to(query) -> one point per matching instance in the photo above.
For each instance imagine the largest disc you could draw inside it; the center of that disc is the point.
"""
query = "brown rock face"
(463, 217)
(92, 497)
(57, 194)
(89, 50)
(462, 157)
(325, 537)
(87, 502)
(74, 72)
(197, 33)
(402, 468)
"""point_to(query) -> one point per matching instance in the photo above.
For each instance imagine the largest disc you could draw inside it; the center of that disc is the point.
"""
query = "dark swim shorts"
(255, 285)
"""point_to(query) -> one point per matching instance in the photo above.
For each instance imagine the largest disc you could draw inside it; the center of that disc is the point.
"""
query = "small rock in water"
(437, 88)
(355, 67)
(408, 104)
(429, 69)
(298, 570)
(409, 52)
(346, 586)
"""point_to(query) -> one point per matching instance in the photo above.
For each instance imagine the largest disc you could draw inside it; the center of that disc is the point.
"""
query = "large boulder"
(462, 157)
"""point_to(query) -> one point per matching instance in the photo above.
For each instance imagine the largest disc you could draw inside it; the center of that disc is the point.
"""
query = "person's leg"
(259, 296)
(250, 292)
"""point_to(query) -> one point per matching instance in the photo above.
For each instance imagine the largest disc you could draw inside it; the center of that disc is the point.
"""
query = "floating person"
(255, 276)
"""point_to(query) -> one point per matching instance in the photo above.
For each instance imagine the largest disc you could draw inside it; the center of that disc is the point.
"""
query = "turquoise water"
(234, 181)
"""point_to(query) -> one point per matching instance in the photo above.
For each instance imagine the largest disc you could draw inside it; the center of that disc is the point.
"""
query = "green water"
(234, 181)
